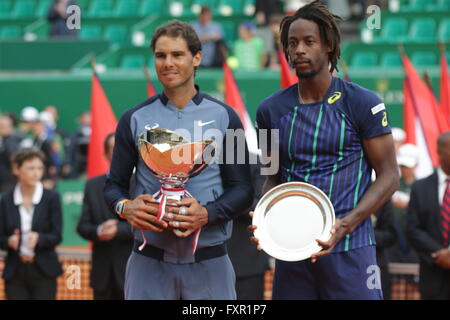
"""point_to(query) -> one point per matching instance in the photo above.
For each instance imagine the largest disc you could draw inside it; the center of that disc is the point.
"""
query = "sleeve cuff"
(213, 215)
(99, 228)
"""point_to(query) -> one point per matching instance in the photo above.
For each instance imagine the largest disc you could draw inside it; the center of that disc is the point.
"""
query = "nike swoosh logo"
(201, 123)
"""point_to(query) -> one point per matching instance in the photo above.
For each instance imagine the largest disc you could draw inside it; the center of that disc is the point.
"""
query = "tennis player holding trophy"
(183, 205)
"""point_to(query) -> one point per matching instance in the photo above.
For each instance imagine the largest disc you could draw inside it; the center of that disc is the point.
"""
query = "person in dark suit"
(30, 229)
(58, 16)
(9, 142)
(112, 237)
(249, 264)
(385, 237)
(428, 224)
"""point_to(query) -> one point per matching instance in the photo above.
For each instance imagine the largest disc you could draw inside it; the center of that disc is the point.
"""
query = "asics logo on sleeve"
(384, 121)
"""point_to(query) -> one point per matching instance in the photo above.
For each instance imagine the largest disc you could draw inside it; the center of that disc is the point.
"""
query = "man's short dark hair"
(205, 9)
(23, 155)
(106, 142)
(328, 27)
(175, 29)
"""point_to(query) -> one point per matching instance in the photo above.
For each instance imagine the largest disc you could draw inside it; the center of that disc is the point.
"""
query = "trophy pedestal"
(170, 193)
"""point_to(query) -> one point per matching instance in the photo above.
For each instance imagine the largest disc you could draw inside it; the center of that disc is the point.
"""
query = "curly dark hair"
(328, 27)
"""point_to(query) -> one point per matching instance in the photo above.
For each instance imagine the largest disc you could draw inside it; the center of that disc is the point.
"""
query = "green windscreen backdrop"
(46, 54)
(70, 92)
(71, 192)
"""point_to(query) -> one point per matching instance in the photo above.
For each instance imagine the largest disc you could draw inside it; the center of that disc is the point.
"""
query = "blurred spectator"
(383, 4)
(47, 119)
(407, 159)
(60, 141)
(290, 6)
(210, 34)
(357, 9)
(53, 121)
(340, 8)
(399, 137)
(385, 237)
(78, 147)
(249, 264)
(268, 27)
(57, 17)
(264, 9)
(44, 143)
(429, 226)
(249, 49)
(29, 116)
(9, 143)
(274, 26)
(30, 229)
(112, 237)
(14, 119)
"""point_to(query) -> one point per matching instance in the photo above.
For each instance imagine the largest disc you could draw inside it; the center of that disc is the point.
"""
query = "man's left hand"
(339, 230)
(193, 216)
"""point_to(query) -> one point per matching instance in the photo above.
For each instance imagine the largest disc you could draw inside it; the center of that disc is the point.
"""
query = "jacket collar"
(197, 99)
(442, 176)
(37, 195)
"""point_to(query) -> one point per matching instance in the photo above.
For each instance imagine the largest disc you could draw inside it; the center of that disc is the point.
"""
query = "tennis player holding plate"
(332, 134)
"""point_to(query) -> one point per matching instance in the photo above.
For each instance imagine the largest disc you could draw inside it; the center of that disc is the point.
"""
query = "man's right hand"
(14, 240)
(442, 258)
(142, 215)
(252, 229)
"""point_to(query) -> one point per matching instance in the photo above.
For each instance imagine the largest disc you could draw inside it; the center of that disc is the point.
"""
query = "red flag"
(288, 78)
(419, 101)
(414, 133)
(346, 73)
(103, 122)
(440, 118)
(150, 89)
(409, 115)
(445, 89)
(233, 99)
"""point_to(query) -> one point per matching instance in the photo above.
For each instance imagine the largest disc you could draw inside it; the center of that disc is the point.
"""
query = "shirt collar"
(442, 176)
(37, 195)
(197, 99)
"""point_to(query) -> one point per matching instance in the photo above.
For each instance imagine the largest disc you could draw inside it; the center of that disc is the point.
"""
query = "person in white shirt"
(30, 229)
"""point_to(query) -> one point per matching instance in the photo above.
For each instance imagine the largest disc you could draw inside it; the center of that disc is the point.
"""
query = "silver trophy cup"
(173, 160)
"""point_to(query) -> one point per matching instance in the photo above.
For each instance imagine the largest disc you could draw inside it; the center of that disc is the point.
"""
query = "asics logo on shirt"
(334, 97)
